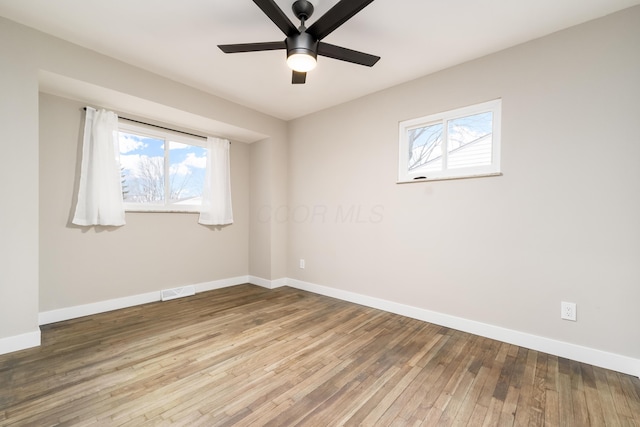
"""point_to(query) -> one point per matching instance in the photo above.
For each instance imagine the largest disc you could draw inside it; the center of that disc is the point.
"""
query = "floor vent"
(184, 291)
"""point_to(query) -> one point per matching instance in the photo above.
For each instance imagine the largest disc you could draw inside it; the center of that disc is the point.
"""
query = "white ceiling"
(178, 39)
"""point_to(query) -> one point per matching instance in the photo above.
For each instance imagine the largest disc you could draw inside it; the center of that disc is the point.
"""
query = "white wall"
(561, 224)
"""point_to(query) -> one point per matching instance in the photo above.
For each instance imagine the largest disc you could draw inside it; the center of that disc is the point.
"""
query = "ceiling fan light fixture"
(304, 45)
(302, 51)
(301, 61)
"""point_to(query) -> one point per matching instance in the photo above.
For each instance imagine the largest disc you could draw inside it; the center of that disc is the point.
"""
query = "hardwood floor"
(251, 356)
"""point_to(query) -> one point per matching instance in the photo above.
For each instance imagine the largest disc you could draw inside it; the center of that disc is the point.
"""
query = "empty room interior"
(368, 268)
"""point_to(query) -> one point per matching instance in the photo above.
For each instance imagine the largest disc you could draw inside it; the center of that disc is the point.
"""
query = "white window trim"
(152, 132)
(406, 176)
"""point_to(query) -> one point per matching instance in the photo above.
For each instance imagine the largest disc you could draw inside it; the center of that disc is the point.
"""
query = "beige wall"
(24, 53)
(259, 261)
(561, 224)
(268, 248)
(18, 193)
(80, 265)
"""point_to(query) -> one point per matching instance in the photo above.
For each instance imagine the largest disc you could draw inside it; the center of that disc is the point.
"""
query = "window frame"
(168, 136)
(493, 169)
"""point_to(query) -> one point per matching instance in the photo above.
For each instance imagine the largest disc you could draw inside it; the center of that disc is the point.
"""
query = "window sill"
(195, 210)
(449, 178)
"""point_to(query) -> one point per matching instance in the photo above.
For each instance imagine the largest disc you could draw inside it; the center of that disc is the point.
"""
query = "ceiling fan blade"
(336, 16)
(344, 54)
(298, 78)
(271, 9)
(252, 47)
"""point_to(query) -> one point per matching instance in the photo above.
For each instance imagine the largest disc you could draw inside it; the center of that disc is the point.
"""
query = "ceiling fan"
(302, 44)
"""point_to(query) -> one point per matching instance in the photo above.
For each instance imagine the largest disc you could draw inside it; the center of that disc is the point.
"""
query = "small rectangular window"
(455, 144)
(161, 171)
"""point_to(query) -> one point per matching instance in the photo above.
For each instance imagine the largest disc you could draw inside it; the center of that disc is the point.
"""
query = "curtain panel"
(100, 191)
(216, 193)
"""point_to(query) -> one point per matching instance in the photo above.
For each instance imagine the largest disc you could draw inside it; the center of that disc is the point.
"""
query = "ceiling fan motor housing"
(302, 43)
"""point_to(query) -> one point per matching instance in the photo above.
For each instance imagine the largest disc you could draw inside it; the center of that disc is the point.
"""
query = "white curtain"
(216, 193)
(100, 193)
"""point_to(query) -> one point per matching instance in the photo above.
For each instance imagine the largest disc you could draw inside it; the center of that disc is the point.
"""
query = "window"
(456, 144)
(161, 171)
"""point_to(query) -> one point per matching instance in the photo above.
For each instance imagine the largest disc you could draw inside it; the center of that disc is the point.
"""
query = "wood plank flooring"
(251, 356)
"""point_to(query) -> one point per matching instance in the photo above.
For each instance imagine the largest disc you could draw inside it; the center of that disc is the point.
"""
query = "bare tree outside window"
(458, 143)
(159, 172)
(186, 171)
(425, 145)
(146, 183)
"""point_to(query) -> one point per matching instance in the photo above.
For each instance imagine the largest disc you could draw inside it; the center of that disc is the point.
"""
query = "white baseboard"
(579, 353)
(266, 283)
(74, 312)
(67, 313)
(223, 283)
(20, 342)
(616, 362)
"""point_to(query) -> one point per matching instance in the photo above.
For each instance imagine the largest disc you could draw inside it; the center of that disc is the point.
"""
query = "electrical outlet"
(568, 311)
(301, 263)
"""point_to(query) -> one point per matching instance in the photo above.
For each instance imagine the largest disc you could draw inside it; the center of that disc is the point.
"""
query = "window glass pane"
(142, 168)
(425, 148)
(187, 165)
(469, 141)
